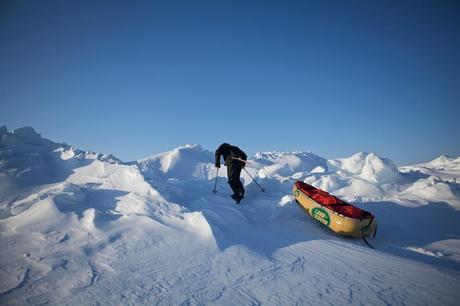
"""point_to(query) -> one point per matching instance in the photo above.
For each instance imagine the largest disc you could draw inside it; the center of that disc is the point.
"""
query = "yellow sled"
(341, 217)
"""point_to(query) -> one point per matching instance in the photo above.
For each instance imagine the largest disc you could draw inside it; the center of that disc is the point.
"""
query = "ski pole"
(215, 182)
(263, 190)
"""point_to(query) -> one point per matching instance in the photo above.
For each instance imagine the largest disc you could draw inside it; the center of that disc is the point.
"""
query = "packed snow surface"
(81, 228)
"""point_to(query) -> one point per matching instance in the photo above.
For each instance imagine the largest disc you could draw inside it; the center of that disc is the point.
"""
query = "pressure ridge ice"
(79, 227)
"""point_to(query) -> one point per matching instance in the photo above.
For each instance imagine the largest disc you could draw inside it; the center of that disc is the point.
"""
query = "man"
(235, 160)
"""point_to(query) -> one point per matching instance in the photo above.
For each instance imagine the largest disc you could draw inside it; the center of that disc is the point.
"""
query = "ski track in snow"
(97, 231)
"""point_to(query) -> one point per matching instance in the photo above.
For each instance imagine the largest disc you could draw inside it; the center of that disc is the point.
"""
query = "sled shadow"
(260, 224)
(400, 227)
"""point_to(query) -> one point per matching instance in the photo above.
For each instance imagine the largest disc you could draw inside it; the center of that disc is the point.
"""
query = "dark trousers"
(233, 174)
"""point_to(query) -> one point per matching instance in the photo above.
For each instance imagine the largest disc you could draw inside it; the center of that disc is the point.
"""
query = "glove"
(217, 166)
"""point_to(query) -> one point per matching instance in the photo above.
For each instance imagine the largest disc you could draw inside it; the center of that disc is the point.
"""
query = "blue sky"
(135, 78)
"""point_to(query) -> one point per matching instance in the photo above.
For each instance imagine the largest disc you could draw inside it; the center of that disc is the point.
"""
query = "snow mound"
(444, 166)
(444, 160)
(185, 162)
(434, 189)
(28, 160)
(289, 163)
(379, 170)
(59, 231)
(368, 166)
(353, 164)
(23, 140)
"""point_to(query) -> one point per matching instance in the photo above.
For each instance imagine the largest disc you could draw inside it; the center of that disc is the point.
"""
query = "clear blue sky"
(135, 78)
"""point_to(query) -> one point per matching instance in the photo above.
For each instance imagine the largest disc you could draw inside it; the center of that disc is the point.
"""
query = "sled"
(341, 217)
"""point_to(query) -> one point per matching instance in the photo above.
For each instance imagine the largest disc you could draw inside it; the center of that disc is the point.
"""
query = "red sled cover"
(333, 203)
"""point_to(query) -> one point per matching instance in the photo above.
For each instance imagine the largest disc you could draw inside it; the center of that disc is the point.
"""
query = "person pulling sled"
(235, 160)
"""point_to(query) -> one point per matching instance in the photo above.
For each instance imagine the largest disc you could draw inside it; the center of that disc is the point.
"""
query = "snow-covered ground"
(81, 228)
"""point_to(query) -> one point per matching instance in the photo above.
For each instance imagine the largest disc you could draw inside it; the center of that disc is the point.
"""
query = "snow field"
(79, 227)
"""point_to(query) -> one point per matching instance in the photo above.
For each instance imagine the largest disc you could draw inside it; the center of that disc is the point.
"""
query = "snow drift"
(186, 162)
(79, 227)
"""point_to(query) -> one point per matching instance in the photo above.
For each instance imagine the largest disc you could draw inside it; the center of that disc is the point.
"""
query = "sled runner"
(341, 217)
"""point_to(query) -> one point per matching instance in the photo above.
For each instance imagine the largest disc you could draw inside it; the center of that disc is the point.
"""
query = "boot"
(237, 198)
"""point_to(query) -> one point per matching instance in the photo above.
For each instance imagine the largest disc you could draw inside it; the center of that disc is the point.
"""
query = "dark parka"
(229, 152)
(234, 167)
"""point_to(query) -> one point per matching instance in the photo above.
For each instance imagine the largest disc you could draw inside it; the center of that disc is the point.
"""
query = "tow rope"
(373, 236)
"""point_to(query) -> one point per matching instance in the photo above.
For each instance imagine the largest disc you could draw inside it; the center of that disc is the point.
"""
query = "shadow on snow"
(260, 223)
(103, 201)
